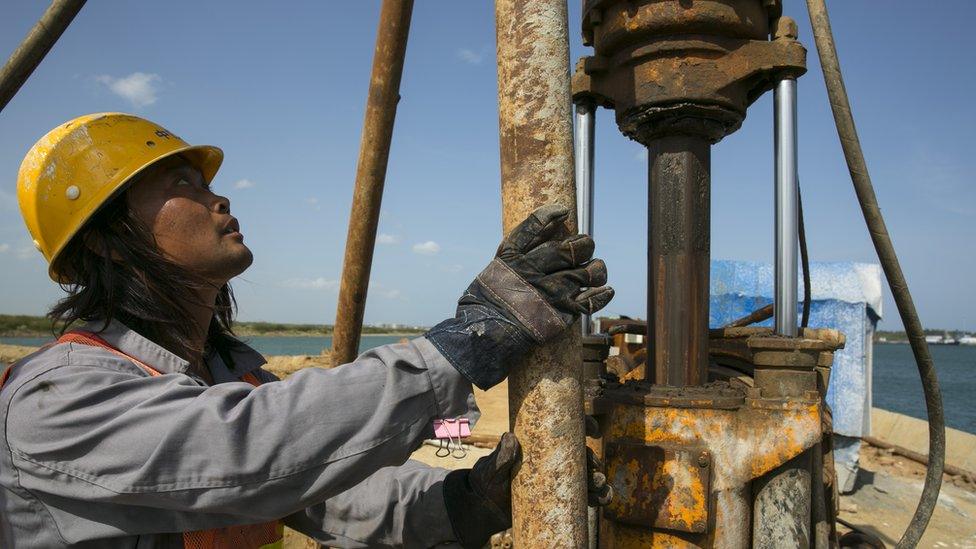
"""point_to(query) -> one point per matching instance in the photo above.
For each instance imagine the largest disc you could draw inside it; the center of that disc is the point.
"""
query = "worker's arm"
(94, 433)
(395, 507)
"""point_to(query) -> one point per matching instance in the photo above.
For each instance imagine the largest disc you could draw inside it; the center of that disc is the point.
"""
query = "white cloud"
(4, 248)
(453, 269)
(384, 238)
(381, 290)
(426, 248)
(320, 283)
(470, 57)
(138, 88)
(641, 155)
(243, 184)
(313, 202)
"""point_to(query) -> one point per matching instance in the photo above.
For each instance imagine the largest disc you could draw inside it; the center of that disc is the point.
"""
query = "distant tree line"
(39, 326)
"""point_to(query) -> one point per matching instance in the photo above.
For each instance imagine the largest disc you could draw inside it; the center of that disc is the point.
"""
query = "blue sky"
(282, 91)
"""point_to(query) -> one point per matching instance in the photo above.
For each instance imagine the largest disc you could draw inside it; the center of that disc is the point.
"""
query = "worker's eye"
(183, 182)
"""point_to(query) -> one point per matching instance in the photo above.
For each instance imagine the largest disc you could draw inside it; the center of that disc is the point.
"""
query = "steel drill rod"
(545, 389)
(374, 151)
(585, 145)
(784, 122)
(679, 176)
(35, 46)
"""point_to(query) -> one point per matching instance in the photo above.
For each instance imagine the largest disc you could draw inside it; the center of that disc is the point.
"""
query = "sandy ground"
(887, 492)
(882, 504)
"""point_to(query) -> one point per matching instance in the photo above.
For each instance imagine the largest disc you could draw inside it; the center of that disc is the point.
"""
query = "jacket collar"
(134, 344)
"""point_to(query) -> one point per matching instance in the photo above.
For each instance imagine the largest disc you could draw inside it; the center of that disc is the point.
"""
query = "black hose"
(844, 121)
(804, 257)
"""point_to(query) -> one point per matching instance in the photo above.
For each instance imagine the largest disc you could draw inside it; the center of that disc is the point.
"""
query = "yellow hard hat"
(83, 164)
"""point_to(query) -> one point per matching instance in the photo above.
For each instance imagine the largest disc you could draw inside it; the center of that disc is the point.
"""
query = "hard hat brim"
(205, 158)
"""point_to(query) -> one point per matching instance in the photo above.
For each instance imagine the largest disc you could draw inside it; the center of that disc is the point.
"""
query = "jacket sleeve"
(395, 507)
(90, 440)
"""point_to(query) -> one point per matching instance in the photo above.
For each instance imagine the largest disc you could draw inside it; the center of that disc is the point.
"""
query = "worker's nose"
(221, 204)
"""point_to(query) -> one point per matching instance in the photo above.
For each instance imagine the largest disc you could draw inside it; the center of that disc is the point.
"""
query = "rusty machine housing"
(711, 438)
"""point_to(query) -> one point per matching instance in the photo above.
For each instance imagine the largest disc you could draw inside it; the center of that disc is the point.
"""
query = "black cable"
(847, 131)
(804, 257)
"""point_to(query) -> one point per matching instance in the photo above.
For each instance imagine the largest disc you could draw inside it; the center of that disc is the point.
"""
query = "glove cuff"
(479, 342)
(473, 518)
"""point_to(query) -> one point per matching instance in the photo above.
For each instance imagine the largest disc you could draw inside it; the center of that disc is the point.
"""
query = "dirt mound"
(13, 353)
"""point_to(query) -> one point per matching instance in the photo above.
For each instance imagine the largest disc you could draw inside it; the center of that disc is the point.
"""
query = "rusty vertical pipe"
(545, 390)
(678, 208)
(374, 151)
(35, 46)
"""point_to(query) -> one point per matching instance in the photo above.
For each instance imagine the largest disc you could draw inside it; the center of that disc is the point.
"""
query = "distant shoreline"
(241, 333)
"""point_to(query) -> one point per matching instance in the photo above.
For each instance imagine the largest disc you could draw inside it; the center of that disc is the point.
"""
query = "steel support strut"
(35, 46)
(783, 497)
(584, 144)
(784, 129)
(545, 390)
(374, 151)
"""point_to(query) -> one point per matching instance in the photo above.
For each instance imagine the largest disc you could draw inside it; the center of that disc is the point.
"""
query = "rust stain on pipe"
(35, 46)
(545, 390)
(374, 151)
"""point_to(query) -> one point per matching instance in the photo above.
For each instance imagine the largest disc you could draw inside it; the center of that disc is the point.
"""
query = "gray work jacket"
(98, 453)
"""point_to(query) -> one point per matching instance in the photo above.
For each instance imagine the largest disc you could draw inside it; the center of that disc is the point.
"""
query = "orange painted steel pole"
(537, 168)
(374, 151)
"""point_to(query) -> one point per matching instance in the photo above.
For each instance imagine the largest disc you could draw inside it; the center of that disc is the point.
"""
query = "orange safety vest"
(269, 535)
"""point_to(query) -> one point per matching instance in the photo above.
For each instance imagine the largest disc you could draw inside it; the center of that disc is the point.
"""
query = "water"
(897, 387)
(896, 384)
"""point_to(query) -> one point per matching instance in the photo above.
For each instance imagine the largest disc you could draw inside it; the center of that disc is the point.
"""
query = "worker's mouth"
(233, 230)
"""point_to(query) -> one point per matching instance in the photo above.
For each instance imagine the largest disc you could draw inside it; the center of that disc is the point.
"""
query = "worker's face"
(192, 225)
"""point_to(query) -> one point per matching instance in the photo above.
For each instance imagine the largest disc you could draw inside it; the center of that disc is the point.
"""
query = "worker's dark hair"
(118, 272)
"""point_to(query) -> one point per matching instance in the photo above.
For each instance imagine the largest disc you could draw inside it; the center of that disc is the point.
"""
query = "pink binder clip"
(450, 432)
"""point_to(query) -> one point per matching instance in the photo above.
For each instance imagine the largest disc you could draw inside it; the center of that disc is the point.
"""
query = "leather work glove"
(479, 500)
(529, 294)
(598, 492)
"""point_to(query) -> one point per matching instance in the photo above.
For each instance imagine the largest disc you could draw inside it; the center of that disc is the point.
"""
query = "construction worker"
(148, 424)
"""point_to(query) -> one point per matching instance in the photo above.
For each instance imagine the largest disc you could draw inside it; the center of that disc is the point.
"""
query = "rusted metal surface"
(660, 486)
(741, 449)
(374, 151)
(545, 389)
(35, 46)
(684, 67)
(759, 315)
(679, 176)
(733, 423)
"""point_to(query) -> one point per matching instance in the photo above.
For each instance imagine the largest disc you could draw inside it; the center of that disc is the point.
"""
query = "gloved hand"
(479, 500)
(598, 492)
(529, 294)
